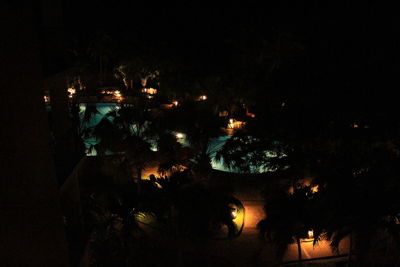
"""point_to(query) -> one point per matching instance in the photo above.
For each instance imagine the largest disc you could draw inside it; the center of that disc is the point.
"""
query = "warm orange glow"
(310, 251)
(150, 91)
(310, 234)
(254, 213)
(234, 124)
(117, 93)
(166, 106)
(175, 103)
(314, 189)
(46, 99)
(234, 214)
(223, 113)
(251, 115)
(310, 237)
(179, 135)
(203, 97)
(234, 211)
(71, 91)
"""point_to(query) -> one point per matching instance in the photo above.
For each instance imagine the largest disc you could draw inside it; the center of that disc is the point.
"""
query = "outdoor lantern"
(117, 93)
(310, 234)
(233, 214)
(71, 92)
(233, 211)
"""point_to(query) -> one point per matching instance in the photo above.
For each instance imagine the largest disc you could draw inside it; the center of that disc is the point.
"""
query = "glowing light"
(71, 91)
(314, 189)
(175, 103)
(223, 113)
(234, 124)
(46, 99)
(203, 97)
(310, 234)
(179, 135)
(117, 93)
(234, 214)
(150, 91)
(166, 106)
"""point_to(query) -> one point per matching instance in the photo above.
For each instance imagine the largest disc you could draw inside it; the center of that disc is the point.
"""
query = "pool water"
(215, 144)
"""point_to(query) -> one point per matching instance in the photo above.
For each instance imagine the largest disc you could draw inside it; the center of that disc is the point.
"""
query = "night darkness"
(202, 136)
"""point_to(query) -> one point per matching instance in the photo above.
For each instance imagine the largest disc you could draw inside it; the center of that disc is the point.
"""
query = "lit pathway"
(249, 250)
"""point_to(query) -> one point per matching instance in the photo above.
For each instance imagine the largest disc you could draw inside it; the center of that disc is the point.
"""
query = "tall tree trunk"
(299, 250)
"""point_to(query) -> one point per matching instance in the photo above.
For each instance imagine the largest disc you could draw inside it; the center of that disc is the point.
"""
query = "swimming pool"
(215, 144)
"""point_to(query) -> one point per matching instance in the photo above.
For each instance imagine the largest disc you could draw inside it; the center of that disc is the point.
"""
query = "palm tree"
(126, 130)
(200, 125)
(100, 51)
(289, 217)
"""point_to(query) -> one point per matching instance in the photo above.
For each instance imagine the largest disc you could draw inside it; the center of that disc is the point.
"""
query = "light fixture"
(71, 91)
(310, 234)
(117, 93)
(233, 214)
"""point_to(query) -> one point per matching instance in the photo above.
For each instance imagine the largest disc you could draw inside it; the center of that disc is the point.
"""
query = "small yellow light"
(117, 93)
(203, 97)
(179, 135)
(175, 103)
(234, 214)
(314, 189)
(310, 234)
(71, 91)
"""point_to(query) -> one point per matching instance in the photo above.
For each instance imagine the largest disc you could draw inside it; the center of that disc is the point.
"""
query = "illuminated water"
(103, 108)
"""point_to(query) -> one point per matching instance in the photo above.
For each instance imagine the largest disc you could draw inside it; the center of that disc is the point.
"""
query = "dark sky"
(349, 48)
(360, 31)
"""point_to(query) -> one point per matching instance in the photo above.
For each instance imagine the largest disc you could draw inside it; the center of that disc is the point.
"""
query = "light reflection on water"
(103, 108)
